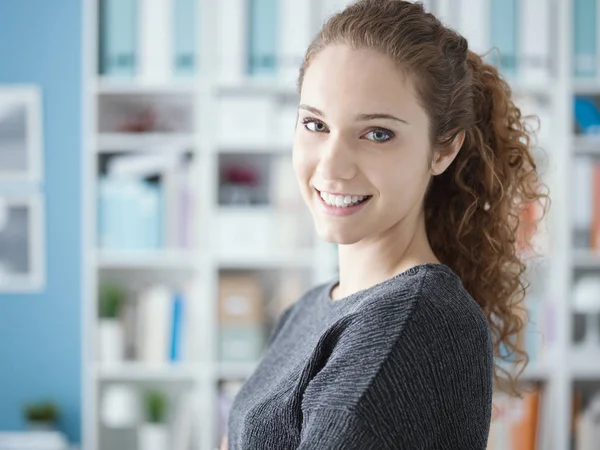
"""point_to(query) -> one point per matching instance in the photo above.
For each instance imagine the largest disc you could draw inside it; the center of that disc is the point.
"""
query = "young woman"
(411, 155)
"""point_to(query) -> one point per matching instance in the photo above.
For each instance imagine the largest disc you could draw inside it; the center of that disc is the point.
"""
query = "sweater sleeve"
(431, 389)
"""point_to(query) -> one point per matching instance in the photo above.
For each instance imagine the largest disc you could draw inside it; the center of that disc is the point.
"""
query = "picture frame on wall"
(20, 134)
(22, 254)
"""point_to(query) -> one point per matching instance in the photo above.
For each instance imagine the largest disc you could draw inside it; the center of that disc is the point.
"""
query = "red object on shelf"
(143, 122)
(240, 175)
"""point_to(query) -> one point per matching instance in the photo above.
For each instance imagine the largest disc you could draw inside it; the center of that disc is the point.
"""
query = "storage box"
(241, 343)
(240, 301)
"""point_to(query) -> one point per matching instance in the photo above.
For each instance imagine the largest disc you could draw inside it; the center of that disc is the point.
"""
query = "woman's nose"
(336, 160)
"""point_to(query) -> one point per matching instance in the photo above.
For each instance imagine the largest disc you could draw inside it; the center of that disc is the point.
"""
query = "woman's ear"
(443, 159)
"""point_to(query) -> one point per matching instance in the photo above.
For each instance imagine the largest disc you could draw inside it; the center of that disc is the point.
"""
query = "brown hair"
(493, 178)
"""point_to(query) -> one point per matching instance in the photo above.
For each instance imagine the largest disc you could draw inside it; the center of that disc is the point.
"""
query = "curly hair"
(481, 196)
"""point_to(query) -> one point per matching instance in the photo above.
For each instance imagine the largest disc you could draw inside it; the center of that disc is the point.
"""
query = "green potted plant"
(153, 433)
(111, 298)
(42, 415)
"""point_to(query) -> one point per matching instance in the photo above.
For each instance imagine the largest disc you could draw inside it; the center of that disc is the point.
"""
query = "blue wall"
(40, 336)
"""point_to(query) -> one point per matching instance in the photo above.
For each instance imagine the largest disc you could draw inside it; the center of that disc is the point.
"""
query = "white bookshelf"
(200, 377)
(561, 367)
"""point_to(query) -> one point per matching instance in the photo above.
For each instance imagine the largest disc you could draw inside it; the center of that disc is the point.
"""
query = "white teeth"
(341, 201)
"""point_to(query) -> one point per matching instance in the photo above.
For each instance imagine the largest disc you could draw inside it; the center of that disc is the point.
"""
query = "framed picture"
(20, 134)
(22, 246)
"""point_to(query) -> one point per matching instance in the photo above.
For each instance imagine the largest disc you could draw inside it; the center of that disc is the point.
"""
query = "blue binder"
(186, 37)
(584, 38)
(263, 38)
(118, 37)
(503, 34)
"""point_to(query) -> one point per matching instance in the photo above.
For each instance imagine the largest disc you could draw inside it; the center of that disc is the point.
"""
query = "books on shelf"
(241, 318)
(586, 203)
(135, 214)
(520, 30)
(517, 423)
(587, 116)
(262, 55)
(185, 47)
(585, 38)
(151, 40)
(129, 214)
(158, 325)
(118, 22)
(586, 420)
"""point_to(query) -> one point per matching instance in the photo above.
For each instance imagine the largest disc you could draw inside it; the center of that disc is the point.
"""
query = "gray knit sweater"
(405, 364)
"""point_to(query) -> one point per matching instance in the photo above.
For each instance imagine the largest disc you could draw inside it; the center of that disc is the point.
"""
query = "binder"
(185, 59)
(118, 37)
(262, 58)
(584, 38)
(503, 34)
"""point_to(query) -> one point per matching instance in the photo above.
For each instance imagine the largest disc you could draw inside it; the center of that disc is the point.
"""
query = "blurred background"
(152, 232)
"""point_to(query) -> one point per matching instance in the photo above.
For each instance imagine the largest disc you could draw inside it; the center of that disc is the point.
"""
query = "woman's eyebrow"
(380, 116)
(362, 117)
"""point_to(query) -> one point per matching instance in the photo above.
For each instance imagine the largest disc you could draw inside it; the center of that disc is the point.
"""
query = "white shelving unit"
(199, 378)
(559, 371)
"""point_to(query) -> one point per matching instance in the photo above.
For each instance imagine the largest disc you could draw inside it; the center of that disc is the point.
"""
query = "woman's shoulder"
(432, 302)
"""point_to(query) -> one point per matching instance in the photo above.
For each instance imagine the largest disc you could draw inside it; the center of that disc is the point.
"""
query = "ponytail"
(481, 196)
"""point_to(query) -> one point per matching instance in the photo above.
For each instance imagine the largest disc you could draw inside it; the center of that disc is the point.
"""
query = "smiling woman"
(411, 155)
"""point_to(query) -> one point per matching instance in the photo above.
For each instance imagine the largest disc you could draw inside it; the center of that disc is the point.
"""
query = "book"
(504, 23)
(155, 41)
(516, 421)
(262, 55)
(154, 330)
(185, 48)
(118, 24)
(585, 38)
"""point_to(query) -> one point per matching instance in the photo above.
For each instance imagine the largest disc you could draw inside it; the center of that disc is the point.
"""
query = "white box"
(244, 121)
(245, 233)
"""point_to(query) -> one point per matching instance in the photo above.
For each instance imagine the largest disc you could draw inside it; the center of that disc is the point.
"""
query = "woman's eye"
(314, 125)
(379, 135)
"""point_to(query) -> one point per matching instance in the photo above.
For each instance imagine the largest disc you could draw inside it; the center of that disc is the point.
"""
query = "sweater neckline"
(326, 293)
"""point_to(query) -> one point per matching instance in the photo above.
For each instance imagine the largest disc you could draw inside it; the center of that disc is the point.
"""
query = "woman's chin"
(337, 236)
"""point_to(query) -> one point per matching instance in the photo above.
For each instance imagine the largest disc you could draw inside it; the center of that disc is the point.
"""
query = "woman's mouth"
(341, 204)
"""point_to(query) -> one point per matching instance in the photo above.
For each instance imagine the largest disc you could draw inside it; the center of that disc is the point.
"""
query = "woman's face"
(360, 132)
